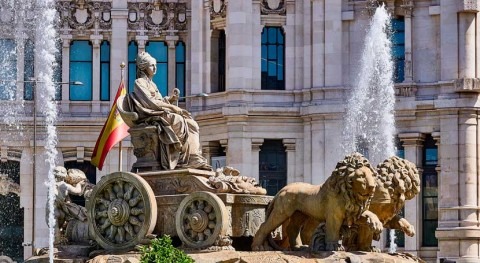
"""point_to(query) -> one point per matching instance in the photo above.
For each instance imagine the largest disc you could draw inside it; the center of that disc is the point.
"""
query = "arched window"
(273, 166)
(89, 170)
(105, 71)
(12, 215)
(8, 71)
(159, 50)
(132, 66)
(28, 70)
(429, 192)
(81, 70)
(180, 67)
(398, 48)
(273, 58)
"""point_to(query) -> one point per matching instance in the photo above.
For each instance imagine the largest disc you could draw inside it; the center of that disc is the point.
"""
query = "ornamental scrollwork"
(218, 9)
(157, 18)
(84, 15)
(275, 7)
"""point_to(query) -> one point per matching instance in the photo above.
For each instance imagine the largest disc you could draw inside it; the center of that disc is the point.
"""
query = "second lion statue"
(344, 198)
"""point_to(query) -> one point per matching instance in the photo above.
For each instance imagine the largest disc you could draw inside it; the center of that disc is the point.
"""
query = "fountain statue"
(8, 186)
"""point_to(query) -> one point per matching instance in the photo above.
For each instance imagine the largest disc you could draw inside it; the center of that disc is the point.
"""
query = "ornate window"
(132, 66)
(12, 215)
(89, 170)
(398, 48)
(159, 50)
(8, 72)
(429, 193)
(81, 70)
(273, 58)
(273, 168)
(105, 71)
(180, 68)
(28, 70)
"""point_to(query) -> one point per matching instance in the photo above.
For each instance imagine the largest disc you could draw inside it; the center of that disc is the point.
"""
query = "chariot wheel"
(121, 211)
(201, 218)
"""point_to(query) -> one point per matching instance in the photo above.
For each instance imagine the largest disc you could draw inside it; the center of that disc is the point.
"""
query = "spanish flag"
(113, 131)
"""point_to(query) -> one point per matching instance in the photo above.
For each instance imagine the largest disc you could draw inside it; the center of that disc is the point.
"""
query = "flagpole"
(122, 70)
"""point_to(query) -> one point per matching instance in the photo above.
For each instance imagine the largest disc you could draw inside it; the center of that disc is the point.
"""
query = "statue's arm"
(77, 189)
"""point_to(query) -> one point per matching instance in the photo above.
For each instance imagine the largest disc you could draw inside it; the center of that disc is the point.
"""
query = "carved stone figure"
(397, 182)
(177, 132)
(343, 199)
(8, 186)
(69, 215)
(229, 180)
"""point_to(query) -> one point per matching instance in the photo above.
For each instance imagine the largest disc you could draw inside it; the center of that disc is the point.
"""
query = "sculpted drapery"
(178, 133)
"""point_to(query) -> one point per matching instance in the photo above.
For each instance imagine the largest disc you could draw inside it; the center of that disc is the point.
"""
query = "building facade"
(277, 74)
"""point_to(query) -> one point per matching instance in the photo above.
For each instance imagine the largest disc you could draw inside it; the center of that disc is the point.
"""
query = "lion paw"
(334, 246)
(406, 227)
(263, 247)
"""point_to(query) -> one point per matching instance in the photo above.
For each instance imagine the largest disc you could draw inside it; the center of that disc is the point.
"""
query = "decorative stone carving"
(344, 198)
(81, 16)
(218, 9)
(405, 90)
(5, 259)
(70, 218)
(468, 6)
(8, 186)
(158, 18)
(122, 211)
(276, 7)
(408, 6)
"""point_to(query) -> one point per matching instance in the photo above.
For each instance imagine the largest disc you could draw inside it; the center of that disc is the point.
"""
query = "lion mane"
(400, 178)
(341, 180)
(342, 197)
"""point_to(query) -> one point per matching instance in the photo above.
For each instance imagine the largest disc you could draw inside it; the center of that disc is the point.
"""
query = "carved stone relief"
(276, 7)
(81, 16)
(218, 9)
(156, 18)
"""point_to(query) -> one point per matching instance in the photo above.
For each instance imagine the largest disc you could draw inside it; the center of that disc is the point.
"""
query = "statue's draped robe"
(179, 135)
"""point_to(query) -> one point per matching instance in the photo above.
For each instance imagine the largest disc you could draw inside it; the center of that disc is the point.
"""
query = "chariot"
(204, 209)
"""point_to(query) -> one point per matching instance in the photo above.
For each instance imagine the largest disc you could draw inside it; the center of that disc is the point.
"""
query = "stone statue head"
(144, 60)
(60, 173)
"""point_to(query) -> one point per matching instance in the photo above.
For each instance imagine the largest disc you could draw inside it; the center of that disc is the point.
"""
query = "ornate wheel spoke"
(118, 216)
(201, 218)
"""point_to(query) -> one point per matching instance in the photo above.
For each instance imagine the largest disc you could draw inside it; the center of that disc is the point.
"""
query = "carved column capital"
(289, 144)
(407, 7)
(257, 143)
(412, 139)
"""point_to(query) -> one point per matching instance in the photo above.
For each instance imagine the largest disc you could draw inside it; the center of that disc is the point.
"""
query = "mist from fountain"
(39, 16)
(370, 123)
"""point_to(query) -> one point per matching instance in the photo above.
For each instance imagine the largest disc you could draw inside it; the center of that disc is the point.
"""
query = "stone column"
(318, 42)
(307, 43)
(119, 43)
(289, 30)
(468, 185)
(413, 145)
(468, 167)
(318, 147)
(448, 41)
(408, 68)
(96, 41)
(256, 144)
(257, 28)
(333, 43)
(307, 150)
(65, 72)
(448, 188)
(26, 197)
(171, 67)
(466, 45)
(239, 45)
(291, 160)
(239, 152)
(196, 46)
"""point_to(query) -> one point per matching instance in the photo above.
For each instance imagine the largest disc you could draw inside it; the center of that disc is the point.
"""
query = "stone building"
(277, 74)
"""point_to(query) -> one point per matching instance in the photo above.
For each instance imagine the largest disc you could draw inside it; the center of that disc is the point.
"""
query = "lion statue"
(343, 199)
(398, 180)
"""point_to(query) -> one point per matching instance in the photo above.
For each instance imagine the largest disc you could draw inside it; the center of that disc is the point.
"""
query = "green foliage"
(161, 250)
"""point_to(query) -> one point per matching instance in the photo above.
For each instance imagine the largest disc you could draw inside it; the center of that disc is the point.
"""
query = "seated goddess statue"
(176, 142)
